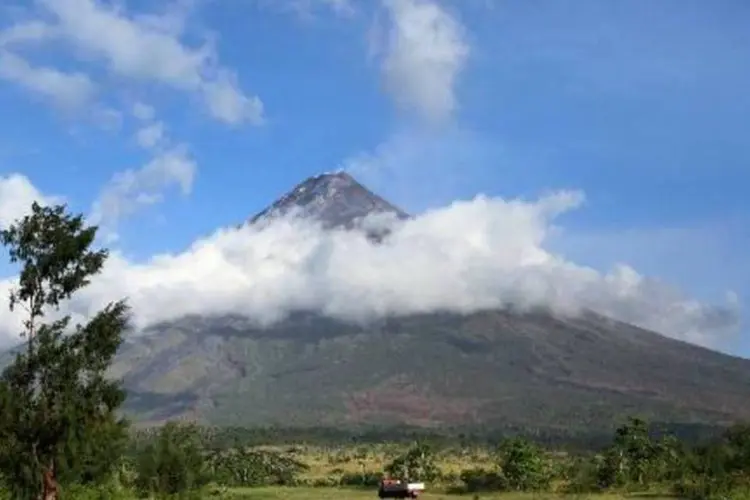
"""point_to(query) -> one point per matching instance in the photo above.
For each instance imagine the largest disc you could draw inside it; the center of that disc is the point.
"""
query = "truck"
(395, 488)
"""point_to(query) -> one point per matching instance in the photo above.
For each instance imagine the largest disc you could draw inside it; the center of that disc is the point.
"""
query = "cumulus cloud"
(151, 135)
(423, 51)
(17, 193)
(140, 48)
(471, 255)
(69, 91)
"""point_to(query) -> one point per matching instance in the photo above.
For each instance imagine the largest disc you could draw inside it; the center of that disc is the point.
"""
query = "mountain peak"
(336, 199)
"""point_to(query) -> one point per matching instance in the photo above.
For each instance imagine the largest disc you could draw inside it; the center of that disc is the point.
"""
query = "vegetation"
(58, 418)
(61, 436)
(181, 460)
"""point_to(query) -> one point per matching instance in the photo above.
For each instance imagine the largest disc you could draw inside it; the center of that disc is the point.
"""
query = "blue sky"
(643, 106)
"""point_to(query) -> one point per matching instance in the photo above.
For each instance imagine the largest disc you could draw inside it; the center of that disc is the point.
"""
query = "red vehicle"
(394, 488)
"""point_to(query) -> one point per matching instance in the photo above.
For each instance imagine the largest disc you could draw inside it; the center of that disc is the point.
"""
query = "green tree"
(737, 439)
(524, 465)
(57, 409)
(174, 463)
(719, 469)
(636, 458)
(417, 464)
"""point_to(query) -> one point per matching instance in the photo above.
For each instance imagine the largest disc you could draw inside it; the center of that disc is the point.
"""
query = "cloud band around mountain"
(471, 255)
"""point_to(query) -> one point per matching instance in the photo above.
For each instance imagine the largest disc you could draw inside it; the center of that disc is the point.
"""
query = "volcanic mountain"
(333, 199)
(491, 368)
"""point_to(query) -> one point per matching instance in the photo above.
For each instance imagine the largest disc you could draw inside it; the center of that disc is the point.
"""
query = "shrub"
(481, 480)
(583, 476)
(524, 465)
(364, 479)
(242, 467)
(418, 463)
(173, 464)
(101, 492)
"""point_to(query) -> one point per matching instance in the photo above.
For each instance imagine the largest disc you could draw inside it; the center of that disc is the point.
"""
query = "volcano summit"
(336, 200)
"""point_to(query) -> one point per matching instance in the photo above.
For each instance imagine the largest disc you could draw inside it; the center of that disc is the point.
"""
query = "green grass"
(349, 494)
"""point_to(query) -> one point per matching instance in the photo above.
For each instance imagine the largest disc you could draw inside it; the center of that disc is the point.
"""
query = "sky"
(573, 153)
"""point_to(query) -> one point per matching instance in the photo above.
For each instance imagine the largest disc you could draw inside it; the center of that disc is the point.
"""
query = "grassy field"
(349, 494)
(328, 463)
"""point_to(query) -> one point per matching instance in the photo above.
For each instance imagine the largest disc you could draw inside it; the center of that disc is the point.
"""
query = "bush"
(241, 467)
(524, 466)
(710, 488)
(103, 492)
(718, 470)
(480, 480)
(583, 476)
(326, 482)
(416, 464)
(173, 464)
(450, 478)
(364, 479)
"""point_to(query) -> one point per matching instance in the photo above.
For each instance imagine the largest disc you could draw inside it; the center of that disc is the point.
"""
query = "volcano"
(335, 200)
(500, 368)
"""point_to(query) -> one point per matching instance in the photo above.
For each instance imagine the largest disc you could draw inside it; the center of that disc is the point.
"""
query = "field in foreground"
(350, 494)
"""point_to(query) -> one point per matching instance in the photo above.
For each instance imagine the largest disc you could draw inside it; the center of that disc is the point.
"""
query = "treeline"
(177, 459)
(637, 459)
(573, 441)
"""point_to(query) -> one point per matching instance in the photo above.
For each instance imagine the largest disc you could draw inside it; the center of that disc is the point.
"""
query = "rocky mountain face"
(493, 368)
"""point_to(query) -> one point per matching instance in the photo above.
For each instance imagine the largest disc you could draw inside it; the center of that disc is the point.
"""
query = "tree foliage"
(637, 458)
(524, 465)
(719, 469)
(174, 463)
(247, 467)
(417, 464)
(57, 408)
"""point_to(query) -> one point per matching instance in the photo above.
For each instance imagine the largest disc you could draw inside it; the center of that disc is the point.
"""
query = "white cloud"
(69, 91)
(130, 190)
(341, 7)
(423, 51)
(145, 48)
(17, 193)
(142, 49)
(468, 256)
(143, 111)
(151, 135)
(306, 8)
(229, 105)
(26, 32)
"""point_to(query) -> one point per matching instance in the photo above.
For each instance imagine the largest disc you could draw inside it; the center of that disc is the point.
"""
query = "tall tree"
(58, 421)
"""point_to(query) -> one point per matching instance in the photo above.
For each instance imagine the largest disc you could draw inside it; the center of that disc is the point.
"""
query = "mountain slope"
(487, 368)
(492, 368)
(495, 367)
